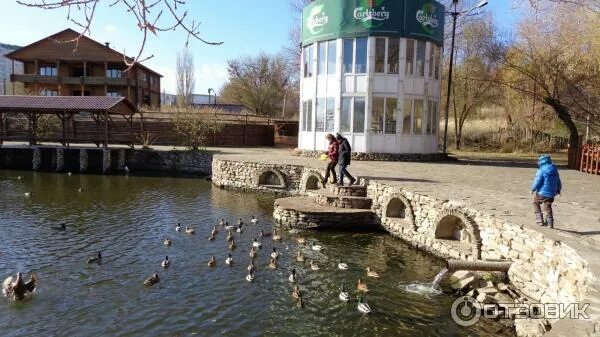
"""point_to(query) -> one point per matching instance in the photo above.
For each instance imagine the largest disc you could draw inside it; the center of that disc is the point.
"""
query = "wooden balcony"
(83, 80)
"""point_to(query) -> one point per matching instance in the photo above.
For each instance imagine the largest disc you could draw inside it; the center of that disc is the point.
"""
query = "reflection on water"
(127, 218)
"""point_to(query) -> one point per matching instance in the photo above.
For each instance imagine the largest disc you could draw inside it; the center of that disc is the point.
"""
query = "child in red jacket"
(332, 153)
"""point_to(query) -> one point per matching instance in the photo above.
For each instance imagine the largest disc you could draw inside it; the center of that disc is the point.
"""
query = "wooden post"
(83, 78)
(245, 129)
(106, 128)
(13, 82)
(58, 77)
(2, 127)
(64, 131)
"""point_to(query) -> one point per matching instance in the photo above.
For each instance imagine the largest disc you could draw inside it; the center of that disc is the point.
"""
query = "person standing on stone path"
(332, 154)
(546, 186)
(345, 153)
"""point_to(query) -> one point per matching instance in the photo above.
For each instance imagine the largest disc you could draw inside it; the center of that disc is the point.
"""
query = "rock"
(462, 283)
(529, 328)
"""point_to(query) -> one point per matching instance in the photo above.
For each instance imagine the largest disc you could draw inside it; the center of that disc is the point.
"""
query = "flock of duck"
(17, 288)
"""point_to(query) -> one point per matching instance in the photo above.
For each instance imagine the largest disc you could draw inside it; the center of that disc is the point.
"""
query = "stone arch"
(271, 177)
(311, 180)
(397, 210)
(453, 225)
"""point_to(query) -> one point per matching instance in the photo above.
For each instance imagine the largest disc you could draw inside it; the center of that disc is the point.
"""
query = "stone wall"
(360, 156)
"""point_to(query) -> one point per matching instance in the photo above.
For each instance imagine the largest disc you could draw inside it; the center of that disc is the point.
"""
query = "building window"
(361, 55)
(321, 57)
(384, 115)
(432, 120)
(420, 63)
(418, 117)
(144, 77)
(320, 115)
(346, 114)
(348, 55)
(358, 120)
(437, 60)
(393, 55)
(407, 119)
(48, 71)
(152, 80)
(307, 61)
(48, 92)
(330, 115)
(114, 73)
(410, 57)
(113, 94)
(431, 59)
(331, 57)
(307, 107)
(380, 55)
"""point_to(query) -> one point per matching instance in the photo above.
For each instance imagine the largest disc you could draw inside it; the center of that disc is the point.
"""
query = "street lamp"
(455, 15)
(213, 91)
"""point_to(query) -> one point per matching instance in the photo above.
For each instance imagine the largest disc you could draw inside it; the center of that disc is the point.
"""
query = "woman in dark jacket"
(332, 153)
(344, 157)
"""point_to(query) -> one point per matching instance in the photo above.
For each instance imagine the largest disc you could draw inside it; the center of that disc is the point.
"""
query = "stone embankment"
(543, 270)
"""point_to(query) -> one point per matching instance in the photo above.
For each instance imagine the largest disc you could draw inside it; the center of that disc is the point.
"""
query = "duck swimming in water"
(211, 237)
(27, 194)
(316, 248)
(272, 263)
(296, 294)
(229, 236)
(16, 288)
(178, 227)
(363, 306)
(361, 286)
(189, 231)
(253, 219)
(292, 278)
(372, 273)
(222, 222)
(301, 240)
(342, 265)
(152, 280)
(250, 276)
(229, 260)
(314, 266)
(166, 263)
(276, 236)
(344, 294)
(232, 245)
(252, 252)
(251, 266)
(214, 231)
(300, 256)
(212, 262)
(228, 226)
(256, 244)
(263, 234)
(275, 254)
(95, 259)
(167, 242)
(62, 227)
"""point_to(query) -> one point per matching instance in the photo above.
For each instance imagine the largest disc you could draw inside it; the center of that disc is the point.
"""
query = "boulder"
(529, 328)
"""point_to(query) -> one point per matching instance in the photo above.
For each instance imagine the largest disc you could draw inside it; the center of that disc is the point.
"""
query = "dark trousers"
(344, 173)
(330, 170)
(538, 200)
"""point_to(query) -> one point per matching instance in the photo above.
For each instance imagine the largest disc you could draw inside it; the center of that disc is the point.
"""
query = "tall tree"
(259, 83)
(186, 80)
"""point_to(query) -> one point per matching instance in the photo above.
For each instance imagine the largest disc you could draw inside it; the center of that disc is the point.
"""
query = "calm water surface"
(126, 218)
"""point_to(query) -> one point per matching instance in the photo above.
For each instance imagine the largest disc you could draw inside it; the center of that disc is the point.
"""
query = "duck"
(314, 266)
(250, 276)
(229, 260)
(214, 231)
(126, 169)
(152, 280)
(372, 273)
(344, 296)
(276, 236)
(272, 263)
(239, 229)
(300, 303)
(300, 256)
(80, 190)
(95, 259)
(178, 227)
(363, 306)
(296, 294)
(256, 243)
(253, 219)
(229, 236)
(252, 252)
(17, 288)
(294, 231)
(27, 194)
(251, 266)
(263, 234)
(69, 174)
(228, 226)
(292, 278)
(222, 222)
(62, 227)
(240, 222)
(301, 240)
(362, 286)
(275, 254)
(232, 245)
(314, 247)
(19, 177)
(342, 265)
(166, 263)
(167, 242)
(212, 262)
(189, 230)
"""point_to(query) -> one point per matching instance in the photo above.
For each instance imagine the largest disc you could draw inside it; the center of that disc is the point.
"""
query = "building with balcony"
(371, 70)
(67, 64)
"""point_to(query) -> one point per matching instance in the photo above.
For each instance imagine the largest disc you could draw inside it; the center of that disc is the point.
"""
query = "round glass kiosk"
(371, 70)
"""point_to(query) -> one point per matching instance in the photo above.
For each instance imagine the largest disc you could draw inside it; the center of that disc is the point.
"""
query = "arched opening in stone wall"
(271, 178)
(396, 208)
(452, 227)
(312, 183)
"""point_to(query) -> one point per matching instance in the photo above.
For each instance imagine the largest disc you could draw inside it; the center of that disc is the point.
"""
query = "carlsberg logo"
(427, 18)
(369, 14)
(317, 20)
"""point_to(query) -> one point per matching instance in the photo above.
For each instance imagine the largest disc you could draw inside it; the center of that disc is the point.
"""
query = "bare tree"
(186, 79)
(152, 17)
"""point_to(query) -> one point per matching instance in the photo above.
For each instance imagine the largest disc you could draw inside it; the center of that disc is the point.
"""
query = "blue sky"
(246, 27)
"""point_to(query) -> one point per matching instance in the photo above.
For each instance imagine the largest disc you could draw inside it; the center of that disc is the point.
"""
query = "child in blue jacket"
(545, 187)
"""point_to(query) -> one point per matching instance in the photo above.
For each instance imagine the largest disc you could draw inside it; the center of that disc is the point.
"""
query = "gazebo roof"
(61, 104)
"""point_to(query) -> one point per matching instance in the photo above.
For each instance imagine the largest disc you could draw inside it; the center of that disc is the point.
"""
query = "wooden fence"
(590, 159)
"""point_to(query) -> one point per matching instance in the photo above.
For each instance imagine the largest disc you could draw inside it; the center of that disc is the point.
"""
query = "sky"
(246, 27)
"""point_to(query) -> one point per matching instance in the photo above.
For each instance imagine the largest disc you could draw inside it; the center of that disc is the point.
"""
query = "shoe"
(324, 183)
(543, 224)
(352, 182)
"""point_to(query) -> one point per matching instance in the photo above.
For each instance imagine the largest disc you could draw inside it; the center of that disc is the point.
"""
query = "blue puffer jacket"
(547, 181)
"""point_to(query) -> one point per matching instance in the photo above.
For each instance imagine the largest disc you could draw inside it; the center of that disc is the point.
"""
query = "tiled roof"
(51, 104)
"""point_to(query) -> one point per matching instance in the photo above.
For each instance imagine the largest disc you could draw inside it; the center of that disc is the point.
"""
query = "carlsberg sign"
(330, 19)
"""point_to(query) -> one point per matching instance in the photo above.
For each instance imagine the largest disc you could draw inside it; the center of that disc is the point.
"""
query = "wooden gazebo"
(83, 119)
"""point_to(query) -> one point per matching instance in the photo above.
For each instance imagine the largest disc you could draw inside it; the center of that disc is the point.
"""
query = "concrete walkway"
(496, 187)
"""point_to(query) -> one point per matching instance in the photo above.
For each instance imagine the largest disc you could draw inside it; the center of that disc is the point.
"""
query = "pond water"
(127, 218)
